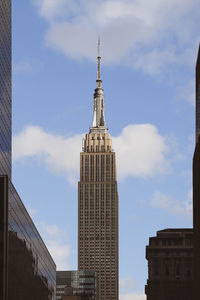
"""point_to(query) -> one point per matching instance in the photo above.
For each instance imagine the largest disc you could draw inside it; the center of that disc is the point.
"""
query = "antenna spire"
(99, 81)
(98, 123)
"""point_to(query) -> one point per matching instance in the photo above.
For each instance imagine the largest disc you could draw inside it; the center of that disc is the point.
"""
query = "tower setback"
(98, 202)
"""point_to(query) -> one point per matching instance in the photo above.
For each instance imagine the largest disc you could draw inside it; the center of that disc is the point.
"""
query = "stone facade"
(98, 203)
(170, 265)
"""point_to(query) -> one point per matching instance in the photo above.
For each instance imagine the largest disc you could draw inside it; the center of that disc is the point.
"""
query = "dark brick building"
(174, 254)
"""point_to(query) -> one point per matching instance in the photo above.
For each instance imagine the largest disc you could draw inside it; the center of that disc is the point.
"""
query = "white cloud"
(156, 59)
(60, 154)
(140, 149)
(50, 9)
(72, 47)
(148, 35)
(55, 239)
(171, 205)
(133, 296)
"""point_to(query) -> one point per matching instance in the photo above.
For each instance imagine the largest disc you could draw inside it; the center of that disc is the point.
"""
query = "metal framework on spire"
(98, 123)
(99, 81)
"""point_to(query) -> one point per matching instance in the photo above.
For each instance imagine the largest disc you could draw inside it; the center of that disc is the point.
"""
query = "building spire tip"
(99, 47)
(99, 64)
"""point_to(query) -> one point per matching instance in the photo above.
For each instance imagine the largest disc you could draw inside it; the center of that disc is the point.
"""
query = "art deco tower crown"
(98, 201)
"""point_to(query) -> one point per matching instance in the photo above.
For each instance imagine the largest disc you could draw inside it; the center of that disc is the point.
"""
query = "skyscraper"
(5, 87)
(27, 270)
(98, 201)
(170, 261)
(5, 131)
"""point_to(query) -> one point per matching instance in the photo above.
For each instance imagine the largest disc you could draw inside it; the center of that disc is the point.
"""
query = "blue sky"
(149, 52)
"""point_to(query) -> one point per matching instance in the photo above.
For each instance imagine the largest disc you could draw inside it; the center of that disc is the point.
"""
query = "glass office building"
(5, 87)
(63, 279)
(83, 283)
(28, 270)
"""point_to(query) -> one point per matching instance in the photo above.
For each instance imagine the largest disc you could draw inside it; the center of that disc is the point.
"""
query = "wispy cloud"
(141, 151)
(56, 241)
(126, 284)
(148, 35)
(22, 66)
(187, 91)
(27, 65)
(191, 143)
(172, 205)
(32, 211)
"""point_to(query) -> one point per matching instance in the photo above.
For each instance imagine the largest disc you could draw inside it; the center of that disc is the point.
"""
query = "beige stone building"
(98, 202)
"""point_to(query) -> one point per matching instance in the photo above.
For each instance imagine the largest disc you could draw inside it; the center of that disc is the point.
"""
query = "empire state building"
(98, 201)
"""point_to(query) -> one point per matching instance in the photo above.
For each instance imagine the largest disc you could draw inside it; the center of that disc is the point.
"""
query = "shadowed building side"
(5, 137)
(198, 96)
(170, 257)
(196, 187)
(196, 218)
(3, 238)
(27, 270)
(174, 265)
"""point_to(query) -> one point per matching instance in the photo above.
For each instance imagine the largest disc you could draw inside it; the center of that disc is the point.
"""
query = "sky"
(149, 51)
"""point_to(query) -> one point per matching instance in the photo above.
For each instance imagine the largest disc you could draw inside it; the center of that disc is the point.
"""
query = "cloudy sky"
(149, 50)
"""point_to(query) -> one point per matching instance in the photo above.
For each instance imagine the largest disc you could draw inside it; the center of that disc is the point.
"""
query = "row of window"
(93, 169)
